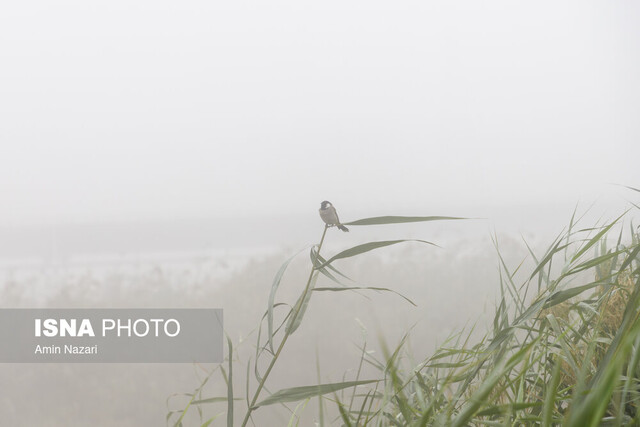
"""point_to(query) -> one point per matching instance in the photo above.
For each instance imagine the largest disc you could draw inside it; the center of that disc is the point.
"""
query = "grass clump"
(563, 347)
(567, 356)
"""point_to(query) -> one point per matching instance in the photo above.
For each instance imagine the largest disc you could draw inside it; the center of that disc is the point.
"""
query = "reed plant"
(563, 347)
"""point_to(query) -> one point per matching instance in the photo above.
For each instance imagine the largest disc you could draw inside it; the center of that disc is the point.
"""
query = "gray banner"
(111, 335)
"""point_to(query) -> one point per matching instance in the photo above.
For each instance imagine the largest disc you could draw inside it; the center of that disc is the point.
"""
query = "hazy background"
(175, 153)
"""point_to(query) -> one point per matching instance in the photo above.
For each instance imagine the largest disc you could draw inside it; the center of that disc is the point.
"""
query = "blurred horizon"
(64, 239)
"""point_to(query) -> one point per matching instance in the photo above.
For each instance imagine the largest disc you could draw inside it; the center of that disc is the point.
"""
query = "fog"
(174, 154)
(202, 109)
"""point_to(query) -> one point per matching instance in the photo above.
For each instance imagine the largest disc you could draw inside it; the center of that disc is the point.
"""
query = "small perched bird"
(330, 216)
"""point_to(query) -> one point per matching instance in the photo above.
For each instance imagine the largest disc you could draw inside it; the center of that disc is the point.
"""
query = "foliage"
(564, 347)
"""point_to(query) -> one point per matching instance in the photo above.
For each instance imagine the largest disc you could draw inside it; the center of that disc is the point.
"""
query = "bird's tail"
(343, 228)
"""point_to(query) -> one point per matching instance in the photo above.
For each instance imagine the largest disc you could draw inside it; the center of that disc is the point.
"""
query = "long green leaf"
(211, 400)
(209, 421)
(317, 261)
(366, 247)
(272, 296)
(560, 296)
(589, 412)
(380, 220)
(301, 307)
(346, 421)
(295, 394)
(550, 398)
(556, 248)
(230, 386)
(593, 262)
(632, 256)
(596, 238)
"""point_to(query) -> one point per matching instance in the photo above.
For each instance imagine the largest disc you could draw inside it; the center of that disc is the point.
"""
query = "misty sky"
(158, 109)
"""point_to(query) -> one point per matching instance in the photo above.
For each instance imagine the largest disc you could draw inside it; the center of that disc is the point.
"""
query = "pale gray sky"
(178, 109)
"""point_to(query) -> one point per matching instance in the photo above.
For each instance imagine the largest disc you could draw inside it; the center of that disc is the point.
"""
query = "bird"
(330, 216)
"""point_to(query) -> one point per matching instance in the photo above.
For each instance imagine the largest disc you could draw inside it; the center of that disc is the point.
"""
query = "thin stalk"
(284, 340)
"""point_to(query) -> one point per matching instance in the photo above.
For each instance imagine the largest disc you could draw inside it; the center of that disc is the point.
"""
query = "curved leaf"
(272, 296)
(212, 400)
(301, 307)
(295, 394)
(380, 220)
(230, 386)
(317, 260)
(366, 247)
(560, 296)
(596, 238)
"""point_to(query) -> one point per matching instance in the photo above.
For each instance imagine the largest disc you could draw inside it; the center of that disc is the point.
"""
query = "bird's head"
(325, 205)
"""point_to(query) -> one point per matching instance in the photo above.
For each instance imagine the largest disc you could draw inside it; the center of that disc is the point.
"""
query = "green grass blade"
(362, 407)
(272, 296)
(548, 256)
(296, 394)
(209, 421)
(550, 398)
(635, 359)
(301, 307)
(381, 220)
(318, 261)
(593, 262)
(632, 188)
(596, 238)
(630, 258)
(320, 402)
(211, 400)
(343, 413)
(230, 386)
(589, 411)
(366, 247)
(560, 296)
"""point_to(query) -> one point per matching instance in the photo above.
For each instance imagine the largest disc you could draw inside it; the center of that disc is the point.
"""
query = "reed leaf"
(295, 394)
